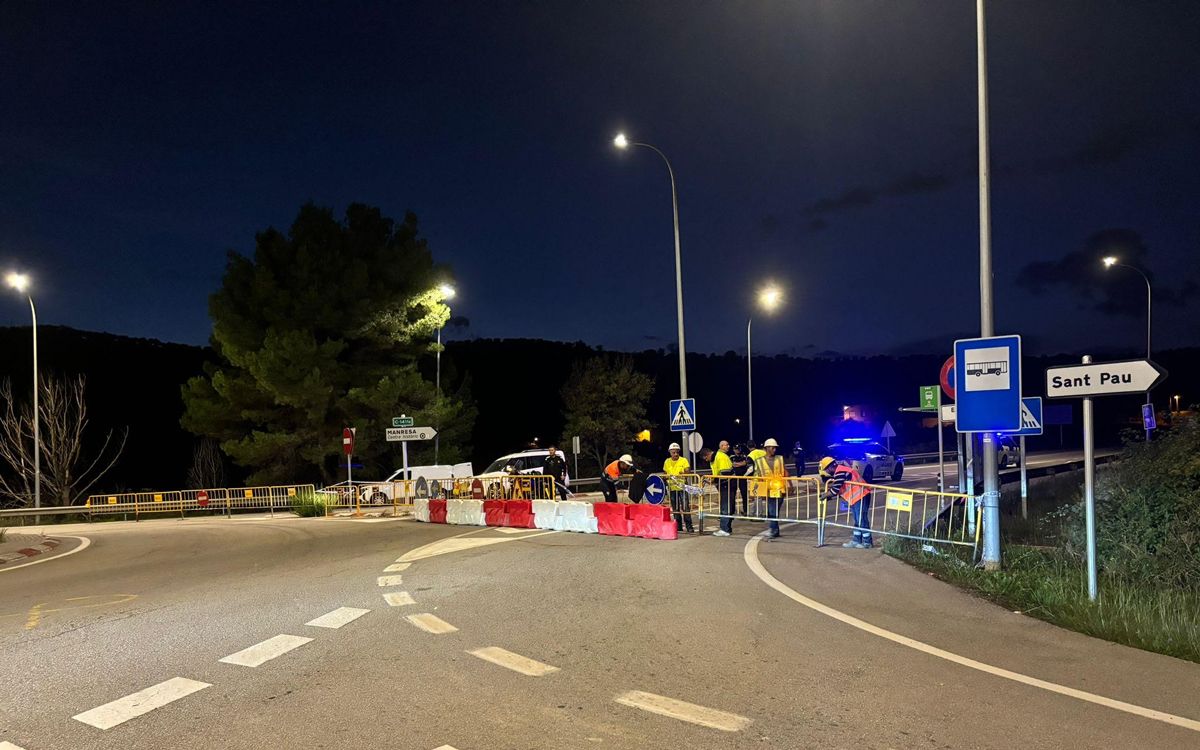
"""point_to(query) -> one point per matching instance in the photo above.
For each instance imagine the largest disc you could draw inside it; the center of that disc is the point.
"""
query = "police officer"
(555, 467)
(741, 467)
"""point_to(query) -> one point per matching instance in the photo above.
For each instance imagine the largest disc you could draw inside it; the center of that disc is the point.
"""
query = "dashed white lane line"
(431, 623)
(260, 653)
(515, 662)
(5, 745)
(461, 543)
(389, 580)
(398, 598)
(144, 701)
(750, 555)
(338, 617)
(684, 711)
(396, 568)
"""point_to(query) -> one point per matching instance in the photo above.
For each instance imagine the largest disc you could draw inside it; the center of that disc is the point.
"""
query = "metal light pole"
(622, 142)
(20, 282)
(991, 472)
(768, 298)
(1111, 262)
(447, 292)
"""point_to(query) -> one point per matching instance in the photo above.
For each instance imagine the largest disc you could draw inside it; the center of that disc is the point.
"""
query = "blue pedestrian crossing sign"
(683, 414)
(655, 489)
(1031, 418)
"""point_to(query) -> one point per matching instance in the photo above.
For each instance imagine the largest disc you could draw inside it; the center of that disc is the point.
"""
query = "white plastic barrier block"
(545, 514)
(421, 509)
(576, 515)
(465, 512)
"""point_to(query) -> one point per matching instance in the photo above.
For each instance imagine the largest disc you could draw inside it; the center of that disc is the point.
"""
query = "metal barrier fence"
(222, 499)
(399, 495)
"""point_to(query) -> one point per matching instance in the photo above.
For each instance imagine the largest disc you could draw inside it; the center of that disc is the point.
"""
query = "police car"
(872, 459)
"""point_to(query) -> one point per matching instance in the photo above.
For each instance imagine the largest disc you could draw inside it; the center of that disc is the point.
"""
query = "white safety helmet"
(770, 443)
(626, 459)
(674, 447)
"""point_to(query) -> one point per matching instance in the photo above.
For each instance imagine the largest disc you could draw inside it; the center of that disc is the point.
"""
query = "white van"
(381, 493)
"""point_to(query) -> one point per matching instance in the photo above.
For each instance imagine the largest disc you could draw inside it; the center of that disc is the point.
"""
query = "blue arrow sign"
(655, 489)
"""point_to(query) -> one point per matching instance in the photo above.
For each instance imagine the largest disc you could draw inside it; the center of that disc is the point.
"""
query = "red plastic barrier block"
(493, 512)
(646, 520)
(437, 511)
(612, 518)
(520, 514)
(667, 530)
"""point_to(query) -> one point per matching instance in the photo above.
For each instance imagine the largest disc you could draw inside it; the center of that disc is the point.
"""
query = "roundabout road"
(406, 635)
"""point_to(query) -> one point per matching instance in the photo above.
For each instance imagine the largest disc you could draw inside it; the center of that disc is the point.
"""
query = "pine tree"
(323, 329)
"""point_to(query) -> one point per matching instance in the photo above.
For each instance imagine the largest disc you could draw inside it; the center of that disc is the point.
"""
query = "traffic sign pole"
(1089, 489)
(941, 449)
(1024, 483)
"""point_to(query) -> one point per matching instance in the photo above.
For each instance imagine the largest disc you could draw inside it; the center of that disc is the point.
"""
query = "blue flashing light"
(857, 440)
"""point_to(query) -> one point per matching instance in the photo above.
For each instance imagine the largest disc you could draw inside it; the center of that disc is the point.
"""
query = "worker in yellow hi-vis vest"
(675, 467)
(771, 474)
(758, 490)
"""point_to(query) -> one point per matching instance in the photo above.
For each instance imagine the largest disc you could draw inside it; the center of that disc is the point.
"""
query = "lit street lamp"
(446, 292)
(769, 298)
(624, 143)
(1112, 261)
(20, 282)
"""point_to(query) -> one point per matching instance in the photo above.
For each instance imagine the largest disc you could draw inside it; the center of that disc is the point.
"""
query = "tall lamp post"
(20, 282)
(1111, 262)
(768, 299)
(623, 143)
(446, 292)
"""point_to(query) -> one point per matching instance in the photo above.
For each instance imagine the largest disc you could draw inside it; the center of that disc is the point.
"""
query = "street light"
(20, 282)
(1114, 262)
(769, 298)
(444, 291)
(623, 143)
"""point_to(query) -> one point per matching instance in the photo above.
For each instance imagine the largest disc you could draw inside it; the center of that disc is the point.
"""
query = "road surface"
(292, 633)
(924, 476)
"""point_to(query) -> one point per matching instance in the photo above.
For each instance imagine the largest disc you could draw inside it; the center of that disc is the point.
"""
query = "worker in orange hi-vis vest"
(843, 482)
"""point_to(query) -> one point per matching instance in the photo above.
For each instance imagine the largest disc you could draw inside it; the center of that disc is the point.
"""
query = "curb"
(24, 554)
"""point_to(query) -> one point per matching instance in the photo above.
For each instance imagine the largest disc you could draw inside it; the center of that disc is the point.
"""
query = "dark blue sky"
(827, 144)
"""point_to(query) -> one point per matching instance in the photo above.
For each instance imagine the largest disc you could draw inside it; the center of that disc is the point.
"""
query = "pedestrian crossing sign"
(683, 415)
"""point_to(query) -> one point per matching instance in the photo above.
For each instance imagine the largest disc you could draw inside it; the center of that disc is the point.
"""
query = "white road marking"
(10, 746)
(684, 711)
(396, 567)
(84, 542)
(515, 662)
(389, 580)
(398, 598)
(443, 747)
(260, 653)
(338, 617)
(431, 623)
(750, 554)
(144, 701)
(458, 544)
(512, 530)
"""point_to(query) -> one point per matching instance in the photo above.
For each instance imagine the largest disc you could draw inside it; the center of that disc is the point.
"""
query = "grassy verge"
(1051, 585)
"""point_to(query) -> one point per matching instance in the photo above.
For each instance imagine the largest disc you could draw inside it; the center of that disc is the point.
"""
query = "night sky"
(827, 144)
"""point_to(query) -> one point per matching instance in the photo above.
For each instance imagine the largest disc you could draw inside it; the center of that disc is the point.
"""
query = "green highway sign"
(402, 421)
(929, 398)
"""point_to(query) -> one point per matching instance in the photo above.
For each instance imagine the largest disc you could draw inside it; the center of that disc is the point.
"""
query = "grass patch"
(307, 504)
(1051, 585)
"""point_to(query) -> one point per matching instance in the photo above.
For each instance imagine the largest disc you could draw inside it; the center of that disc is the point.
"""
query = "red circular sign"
(347, 441)
(202, 498)
(477, 490)
(948, 377)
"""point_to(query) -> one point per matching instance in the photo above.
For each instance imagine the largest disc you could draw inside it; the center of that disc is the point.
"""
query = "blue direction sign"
(1031, 418)
(655, 489)
(987, 384)
(682, 415)
(1148, 418)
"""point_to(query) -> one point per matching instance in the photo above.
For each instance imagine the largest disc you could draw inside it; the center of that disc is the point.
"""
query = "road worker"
(675, 467)
(612, 474)
(757, 489)
(843, 482)
(771, 475)
(722, 470)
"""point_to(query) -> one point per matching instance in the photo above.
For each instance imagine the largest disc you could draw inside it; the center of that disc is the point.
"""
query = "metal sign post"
(1024, 483)
(1089, 489)
(575, 452)
(941, 448)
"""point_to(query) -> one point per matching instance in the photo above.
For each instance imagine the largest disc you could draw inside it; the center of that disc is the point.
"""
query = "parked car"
(872, 459)
(495, 476)
(382, 493)
(1008, 452)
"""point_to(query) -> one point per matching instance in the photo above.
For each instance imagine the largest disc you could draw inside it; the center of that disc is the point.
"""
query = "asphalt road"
(924, 476)
(615, 633)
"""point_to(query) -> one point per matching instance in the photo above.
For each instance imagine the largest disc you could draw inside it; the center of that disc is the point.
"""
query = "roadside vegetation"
(307, 504)
(1148, 550)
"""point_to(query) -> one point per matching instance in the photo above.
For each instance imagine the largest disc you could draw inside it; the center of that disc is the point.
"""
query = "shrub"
(307, 503)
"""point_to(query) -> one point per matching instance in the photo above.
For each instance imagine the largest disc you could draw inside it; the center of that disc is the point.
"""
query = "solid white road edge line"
(515, 662)
(338, 617)
(684, 711)
(144, 701)
(750, 554)
(84, 543)
(431, 623)
(389, 580)
(260, 653)
(398, 598)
